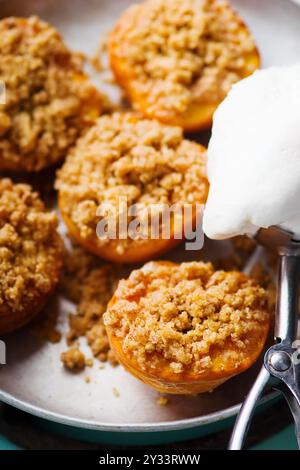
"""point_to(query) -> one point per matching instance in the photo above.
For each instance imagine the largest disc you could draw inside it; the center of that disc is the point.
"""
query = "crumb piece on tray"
(73, 359)
(116, 392)
(89, 362)
(163, 401)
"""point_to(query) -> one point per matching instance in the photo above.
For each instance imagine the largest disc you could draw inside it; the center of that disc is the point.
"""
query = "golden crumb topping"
(49, 101)
(138, 159)
(182, 51)
(182, 313)
(30, 248)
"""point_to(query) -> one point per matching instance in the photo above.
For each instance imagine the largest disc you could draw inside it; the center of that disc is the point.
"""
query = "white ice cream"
(254, 156)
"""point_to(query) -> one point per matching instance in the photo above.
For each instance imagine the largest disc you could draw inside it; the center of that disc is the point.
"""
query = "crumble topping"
(140, 159)
(183, 51)
(181, 313)
(49, 100)
(30, 248)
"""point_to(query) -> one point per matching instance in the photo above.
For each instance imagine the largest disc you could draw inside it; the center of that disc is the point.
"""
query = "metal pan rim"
(175, 425)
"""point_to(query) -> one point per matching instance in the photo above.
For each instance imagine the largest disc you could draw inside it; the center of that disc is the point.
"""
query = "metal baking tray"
(33, 378)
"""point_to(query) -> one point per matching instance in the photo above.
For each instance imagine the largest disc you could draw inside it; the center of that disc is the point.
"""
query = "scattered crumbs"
(87, 379)
(163, 401)
(116, 392)
(101, 367)
(73, 359)
(89, 362)
(89, 283)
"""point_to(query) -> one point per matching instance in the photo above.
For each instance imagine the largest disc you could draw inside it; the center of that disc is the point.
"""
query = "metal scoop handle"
(279, 360)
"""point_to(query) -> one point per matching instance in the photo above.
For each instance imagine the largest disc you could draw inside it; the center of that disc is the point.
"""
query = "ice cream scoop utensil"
(281, 369)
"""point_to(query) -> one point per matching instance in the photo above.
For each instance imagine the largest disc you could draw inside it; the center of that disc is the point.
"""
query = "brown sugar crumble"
(49, 100)
(163, 401)
(73, 359)
(31, 250)
(182, 51)
(127, 156)
(180, 313)
(89, 362)
(90, 284)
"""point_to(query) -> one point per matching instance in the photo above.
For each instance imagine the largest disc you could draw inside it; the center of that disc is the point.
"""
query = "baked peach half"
(134, 253)
(31, 253)
(186, 328)
(50, 101)
(176, 60)
(138, 177)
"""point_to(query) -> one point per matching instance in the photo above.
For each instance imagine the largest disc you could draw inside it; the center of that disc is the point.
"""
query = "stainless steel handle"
(285, 333)
(244, 417)
(287, 301)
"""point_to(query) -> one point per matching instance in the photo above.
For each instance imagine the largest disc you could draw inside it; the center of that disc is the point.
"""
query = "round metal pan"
(33, 378)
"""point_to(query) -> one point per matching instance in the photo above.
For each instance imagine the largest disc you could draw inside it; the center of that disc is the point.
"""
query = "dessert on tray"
(31, 253)
(146, 163)
(177, 59)
(187, 328)
(180, 328)
(49, 100)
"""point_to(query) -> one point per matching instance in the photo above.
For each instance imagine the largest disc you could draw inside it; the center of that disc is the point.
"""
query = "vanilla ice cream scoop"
(254, 156)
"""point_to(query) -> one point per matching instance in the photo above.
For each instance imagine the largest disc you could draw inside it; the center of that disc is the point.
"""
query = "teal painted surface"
(284, 440)
(5, 444)
(133, 438)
